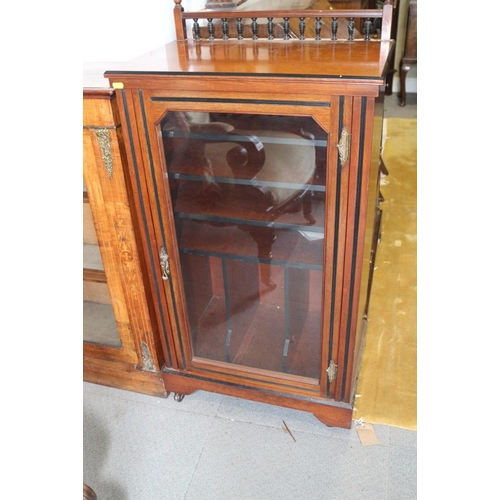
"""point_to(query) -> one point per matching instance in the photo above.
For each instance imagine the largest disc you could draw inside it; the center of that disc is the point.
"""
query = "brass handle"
(344, 146)
(165, 267)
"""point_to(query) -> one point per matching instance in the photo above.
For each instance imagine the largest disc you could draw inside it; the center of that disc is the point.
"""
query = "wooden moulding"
(329, 413)
(206, 86)
(123, 376)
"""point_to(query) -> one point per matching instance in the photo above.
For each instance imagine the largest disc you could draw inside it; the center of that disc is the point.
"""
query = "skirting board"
(411, 85)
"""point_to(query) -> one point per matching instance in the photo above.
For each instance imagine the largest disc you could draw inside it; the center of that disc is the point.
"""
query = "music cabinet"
(120, 347)
(252, 168)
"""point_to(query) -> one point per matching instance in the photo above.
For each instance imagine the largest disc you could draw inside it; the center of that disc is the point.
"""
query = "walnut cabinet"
(252, 168)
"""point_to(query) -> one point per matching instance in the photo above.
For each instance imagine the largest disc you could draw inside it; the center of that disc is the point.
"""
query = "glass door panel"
(99, 323)
(248, 193)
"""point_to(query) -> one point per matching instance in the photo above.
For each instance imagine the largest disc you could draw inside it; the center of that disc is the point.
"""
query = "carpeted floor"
(387, 386)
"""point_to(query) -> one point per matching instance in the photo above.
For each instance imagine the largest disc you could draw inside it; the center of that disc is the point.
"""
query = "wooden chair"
(88, 493)
(410, 52)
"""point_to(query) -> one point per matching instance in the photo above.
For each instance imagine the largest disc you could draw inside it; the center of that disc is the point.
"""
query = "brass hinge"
(165, 267)
(332, 371)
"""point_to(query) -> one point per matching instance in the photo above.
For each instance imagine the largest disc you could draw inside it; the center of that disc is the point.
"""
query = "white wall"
(125, 29)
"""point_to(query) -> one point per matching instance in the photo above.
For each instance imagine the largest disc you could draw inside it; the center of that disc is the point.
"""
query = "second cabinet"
(257, 199)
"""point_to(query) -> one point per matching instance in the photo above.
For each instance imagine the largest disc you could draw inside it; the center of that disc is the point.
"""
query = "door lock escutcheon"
(344, 147)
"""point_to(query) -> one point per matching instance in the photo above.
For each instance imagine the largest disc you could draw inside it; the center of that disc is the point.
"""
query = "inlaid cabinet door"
(116, 324)
(249, 216)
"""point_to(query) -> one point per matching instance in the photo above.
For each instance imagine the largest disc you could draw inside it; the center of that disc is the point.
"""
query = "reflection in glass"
(249, 198)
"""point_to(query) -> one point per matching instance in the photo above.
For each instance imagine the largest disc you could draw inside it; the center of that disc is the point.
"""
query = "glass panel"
(99, 324)
(249, 199)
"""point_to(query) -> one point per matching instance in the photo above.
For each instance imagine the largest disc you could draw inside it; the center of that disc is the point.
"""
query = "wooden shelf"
(290, 249)
(233, 207)
(94, 275)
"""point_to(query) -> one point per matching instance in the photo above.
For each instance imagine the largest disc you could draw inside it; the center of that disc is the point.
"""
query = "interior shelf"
(94, 275)
(252, 138)
(249, 222)
(287, 248)
(320, 187)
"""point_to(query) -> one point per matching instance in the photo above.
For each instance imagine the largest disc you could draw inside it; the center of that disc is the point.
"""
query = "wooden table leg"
(403, 71)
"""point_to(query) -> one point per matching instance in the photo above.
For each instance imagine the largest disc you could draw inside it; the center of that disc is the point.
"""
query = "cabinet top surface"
(277, 58)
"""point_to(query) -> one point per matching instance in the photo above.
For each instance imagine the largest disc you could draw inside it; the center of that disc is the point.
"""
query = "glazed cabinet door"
(247, 209)
(105, 316)
(116, 322)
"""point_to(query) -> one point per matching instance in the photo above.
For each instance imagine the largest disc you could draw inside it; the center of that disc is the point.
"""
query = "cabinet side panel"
(335, 241)
(362, 194)
(369, 232)
(353, 175)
